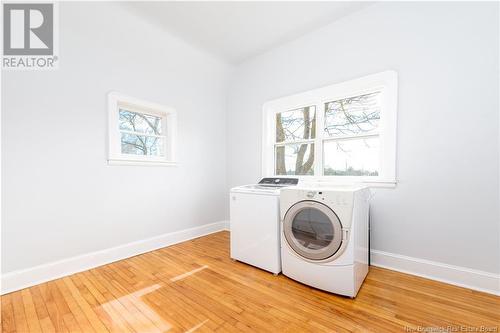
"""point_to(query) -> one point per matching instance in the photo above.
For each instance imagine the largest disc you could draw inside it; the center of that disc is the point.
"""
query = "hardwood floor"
(194, 286)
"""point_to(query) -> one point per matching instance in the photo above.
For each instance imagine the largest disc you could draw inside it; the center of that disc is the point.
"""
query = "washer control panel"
(279, 181)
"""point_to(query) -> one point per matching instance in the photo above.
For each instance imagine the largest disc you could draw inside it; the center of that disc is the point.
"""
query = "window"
(343, 133)
(140, 132)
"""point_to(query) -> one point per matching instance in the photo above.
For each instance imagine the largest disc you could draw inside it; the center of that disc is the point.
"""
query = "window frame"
(117, 101)
(385, 82)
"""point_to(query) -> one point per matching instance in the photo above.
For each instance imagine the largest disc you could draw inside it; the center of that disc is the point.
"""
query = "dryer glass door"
(312, 230)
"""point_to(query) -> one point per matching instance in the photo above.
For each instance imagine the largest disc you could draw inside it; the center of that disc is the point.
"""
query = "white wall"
(60, 199)
(446, 205)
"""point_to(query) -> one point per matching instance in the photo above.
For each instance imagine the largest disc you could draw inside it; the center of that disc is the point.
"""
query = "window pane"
(352, 116)
(297, 124)
(138, 122)
(356, 157)
(295, 159)
(142, 145)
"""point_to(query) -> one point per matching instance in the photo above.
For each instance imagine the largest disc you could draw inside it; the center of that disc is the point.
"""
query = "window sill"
(113, 162)
(381, 184)
(322, 182)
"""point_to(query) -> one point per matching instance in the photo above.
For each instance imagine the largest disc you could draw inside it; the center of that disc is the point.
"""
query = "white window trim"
(115, 157)
(385, 82)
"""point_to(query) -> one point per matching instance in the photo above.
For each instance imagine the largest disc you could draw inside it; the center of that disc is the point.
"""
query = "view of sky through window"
(141, 134)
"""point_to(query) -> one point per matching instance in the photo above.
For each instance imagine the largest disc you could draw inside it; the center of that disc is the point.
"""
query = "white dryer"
(324, 237)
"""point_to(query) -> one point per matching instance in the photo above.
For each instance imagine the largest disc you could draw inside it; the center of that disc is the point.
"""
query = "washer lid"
(312, 230)
(256, 189)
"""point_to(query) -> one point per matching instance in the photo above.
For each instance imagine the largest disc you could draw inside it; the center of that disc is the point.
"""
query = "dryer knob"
(311, 194)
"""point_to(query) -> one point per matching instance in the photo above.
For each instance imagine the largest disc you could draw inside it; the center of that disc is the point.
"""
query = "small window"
(140, 132)
(344, 133)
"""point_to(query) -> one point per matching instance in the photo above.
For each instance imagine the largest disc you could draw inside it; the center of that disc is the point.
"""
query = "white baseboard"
(32, 276)
(456, 275)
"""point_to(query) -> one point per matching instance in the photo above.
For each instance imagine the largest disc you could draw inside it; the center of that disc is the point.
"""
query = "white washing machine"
(324, 237)
(255, 223)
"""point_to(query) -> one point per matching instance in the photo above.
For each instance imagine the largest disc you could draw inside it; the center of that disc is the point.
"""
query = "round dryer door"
(312, 230)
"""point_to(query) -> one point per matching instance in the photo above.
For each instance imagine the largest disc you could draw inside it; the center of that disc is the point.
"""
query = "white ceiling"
(237, 31)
